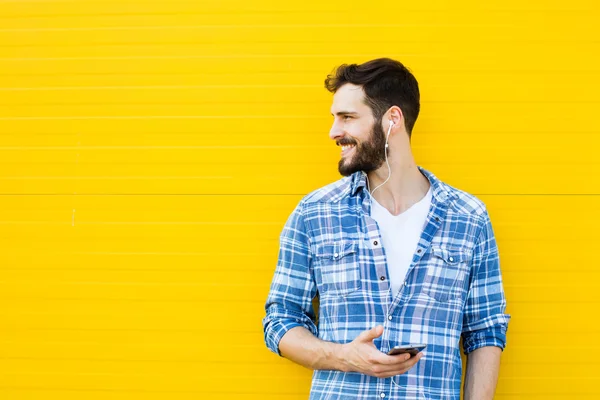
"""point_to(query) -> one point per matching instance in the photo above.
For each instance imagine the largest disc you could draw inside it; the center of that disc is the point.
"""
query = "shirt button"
(382, 278)
(451, 259)
(382, 395)
(375, 242)
(336, 255)
(389, 317)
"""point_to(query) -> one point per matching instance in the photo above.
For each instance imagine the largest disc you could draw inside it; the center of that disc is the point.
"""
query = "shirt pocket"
(445, 270)
(337, 270)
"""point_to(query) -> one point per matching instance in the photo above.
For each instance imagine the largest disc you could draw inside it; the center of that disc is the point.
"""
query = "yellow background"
(151, 151)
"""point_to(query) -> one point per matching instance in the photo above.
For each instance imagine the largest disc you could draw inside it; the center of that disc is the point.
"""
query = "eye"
(347, 117)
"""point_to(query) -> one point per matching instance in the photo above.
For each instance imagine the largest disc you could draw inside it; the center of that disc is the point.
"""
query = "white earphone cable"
(386, 159)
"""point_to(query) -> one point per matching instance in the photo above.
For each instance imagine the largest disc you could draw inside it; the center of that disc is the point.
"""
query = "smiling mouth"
(347, 148)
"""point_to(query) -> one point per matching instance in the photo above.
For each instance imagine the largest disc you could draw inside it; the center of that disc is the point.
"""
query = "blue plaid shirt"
(331, 247)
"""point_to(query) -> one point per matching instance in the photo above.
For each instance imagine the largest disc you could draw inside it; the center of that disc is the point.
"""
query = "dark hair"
(386, 83)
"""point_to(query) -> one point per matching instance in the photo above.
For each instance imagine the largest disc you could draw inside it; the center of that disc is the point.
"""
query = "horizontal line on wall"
(127, 360)
(293, 40)
(187, 57)
(271, 269)
(79, 147)
(133, 300)
(59, 88)
(150, 253)
(79, 223)
(165, 117)
(113, 177)
(140, 283)
(287, 43)
(164, 269)
(270, 11)
(553, 302)
(231, 328)
(224, 26)
(39, 388)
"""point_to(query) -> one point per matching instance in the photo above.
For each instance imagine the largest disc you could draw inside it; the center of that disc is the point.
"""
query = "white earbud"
(388, 133)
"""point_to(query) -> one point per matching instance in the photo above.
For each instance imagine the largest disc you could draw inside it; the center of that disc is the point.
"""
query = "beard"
(368, 156)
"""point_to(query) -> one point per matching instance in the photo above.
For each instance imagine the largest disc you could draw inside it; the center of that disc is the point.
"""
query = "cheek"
(358, 132)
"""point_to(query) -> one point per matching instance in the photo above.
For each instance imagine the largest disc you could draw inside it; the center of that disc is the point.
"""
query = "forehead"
(349, 98)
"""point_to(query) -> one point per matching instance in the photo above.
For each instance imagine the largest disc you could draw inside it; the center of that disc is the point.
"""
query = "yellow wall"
(151, 151)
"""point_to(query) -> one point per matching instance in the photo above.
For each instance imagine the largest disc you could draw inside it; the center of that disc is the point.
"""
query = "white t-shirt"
(400, 236)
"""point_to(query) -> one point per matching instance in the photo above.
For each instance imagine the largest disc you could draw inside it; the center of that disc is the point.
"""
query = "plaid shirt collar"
(358, 181)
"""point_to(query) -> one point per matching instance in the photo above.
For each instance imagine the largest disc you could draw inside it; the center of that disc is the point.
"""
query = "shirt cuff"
(276, 327)
(493, 336)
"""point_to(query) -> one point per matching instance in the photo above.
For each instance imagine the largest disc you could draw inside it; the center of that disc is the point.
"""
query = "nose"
(336, 131)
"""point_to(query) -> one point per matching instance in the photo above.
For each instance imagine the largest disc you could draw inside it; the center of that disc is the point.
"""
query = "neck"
(406, 186)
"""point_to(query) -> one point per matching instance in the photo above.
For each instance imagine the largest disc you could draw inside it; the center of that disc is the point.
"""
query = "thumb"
(373, 333)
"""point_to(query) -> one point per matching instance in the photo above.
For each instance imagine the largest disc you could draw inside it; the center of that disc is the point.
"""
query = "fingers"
(371, 334)
(384, 359)
(365, 358)
(399, 368)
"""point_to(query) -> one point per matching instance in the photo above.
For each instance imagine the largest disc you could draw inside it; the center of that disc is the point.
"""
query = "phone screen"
(413, 350)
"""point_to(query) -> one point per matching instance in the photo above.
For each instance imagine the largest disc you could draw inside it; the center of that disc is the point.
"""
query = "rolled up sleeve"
(485, 322)
(289, 303)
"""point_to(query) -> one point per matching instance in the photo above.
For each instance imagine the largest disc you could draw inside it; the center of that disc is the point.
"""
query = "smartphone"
(412, 349)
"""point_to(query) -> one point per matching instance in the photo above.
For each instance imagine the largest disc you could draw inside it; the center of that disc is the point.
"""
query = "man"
(394, 255)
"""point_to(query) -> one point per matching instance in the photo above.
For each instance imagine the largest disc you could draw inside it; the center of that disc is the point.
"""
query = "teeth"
(346, 147)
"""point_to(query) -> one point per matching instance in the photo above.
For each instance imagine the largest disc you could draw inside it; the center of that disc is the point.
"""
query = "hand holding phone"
(412, 349)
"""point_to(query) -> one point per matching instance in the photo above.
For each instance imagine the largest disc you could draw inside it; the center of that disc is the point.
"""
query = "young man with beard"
(395, 256)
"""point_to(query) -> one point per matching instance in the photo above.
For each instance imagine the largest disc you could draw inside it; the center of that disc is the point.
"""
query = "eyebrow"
(341, 113)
